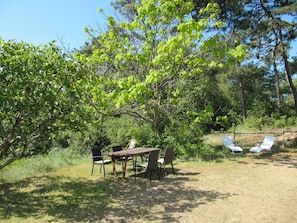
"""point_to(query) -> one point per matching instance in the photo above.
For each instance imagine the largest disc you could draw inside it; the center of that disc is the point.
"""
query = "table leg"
(124, 166)
(114, 168)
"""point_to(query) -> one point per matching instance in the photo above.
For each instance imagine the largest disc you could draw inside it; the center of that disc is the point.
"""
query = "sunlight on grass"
(59, 194)
(57, 188)
(41, 164)
(71, 194)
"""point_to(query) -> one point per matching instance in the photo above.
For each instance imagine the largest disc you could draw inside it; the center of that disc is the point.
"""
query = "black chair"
(119, 148)
(151, 165)
(116, 148)
(167, 158)
(98, 159)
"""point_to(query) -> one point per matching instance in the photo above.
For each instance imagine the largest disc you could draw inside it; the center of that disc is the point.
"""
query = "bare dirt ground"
(242, 189)
(249, 191)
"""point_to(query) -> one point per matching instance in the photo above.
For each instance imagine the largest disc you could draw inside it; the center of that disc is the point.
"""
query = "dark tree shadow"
(83, 200)
(278, 156)
(288, 160)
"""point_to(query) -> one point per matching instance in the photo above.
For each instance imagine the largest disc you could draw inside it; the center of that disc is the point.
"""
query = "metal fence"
(286, 141)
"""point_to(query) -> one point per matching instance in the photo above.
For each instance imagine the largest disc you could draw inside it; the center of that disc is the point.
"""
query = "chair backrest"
(153, 160)
(96, 154)
(227, 140)
(168, 155)
(116, 148)
(267, 142)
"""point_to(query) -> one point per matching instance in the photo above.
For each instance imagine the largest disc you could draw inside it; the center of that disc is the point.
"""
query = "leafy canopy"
(40, 93)
(163, 43)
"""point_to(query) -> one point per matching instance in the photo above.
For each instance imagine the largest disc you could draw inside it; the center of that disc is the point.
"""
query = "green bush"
(284, 121)
(82, 142)
(281, 122)
(207, 153)
(147, 137)
(186, 138)
(292, 121)
(119, 130)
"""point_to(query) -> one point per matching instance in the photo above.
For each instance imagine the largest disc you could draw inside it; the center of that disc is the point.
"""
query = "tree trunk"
(277, 90)
(242, 98)
(287, 69)
(277, 28)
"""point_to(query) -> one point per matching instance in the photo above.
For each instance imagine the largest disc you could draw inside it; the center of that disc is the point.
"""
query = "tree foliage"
(147, 64)
(39, 96)
(164, 72)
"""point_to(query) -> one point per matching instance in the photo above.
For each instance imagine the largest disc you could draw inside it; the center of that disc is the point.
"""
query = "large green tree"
(143, 64)
(39, 95)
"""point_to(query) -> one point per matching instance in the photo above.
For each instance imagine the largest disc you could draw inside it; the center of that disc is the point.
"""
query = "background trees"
(164, 72)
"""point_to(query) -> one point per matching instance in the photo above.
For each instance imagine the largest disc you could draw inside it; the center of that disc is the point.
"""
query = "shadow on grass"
(59, 197)
(285, 158)
(85, 200)
(279, 157)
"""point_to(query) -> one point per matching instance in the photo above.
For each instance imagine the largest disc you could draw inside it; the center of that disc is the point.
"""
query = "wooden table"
(125, 154)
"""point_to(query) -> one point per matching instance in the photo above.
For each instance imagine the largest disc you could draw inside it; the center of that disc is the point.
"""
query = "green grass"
(56, 187)
(48, 198)
(59, 188)
(71, 194)
(66, 194)
(40, 164)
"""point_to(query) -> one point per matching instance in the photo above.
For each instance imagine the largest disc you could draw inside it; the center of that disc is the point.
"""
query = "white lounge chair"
(265, 146)
(228, 143)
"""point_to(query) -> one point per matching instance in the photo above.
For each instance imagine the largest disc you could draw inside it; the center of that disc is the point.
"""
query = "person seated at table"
(131, 144)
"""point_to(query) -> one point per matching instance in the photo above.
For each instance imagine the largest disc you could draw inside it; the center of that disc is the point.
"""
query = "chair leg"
(134, 165)
(164, 168)
(172, 168)
(150, 176)
(158, 174)
(103, 168)
(92, 169)
(100, 167)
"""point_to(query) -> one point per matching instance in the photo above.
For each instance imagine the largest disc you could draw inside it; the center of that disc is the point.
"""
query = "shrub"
(119, 130)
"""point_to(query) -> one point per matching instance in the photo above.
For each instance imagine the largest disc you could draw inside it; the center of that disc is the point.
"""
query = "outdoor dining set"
(150, 159)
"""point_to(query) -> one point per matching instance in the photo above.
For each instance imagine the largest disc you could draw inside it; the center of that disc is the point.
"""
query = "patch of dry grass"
(236, 189)
(208, 190)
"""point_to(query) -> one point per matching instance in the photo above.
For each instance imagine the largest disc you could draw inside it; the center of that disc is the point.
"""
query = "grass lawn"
(71, 194)
(236, 189)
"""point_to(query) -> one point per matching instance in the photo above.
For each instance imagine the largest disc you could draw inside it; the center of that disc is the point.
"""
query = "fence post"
(283, 139)
(234, 134)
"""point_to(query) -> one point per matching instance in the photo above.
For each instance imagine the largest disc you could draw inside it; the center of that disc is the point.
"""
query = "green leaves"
(39, 94)
(239, 53)
(143, 64)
